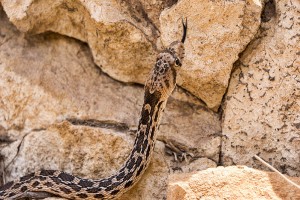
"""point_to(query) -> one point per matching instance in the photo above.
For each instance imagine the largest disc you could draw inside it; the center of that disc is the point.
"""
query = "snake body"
(158, 88)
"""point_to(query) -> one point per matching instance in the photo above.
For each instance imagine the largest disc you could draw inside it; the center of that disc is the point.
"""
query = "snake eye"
(177, 62)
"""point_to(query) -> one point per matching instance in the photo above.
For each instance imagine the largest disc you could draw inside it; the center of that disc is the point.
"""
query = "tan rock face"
(235, 182)
(59, 111)
(124, 36)
(122, 42)
(218, 32)
(262, 105)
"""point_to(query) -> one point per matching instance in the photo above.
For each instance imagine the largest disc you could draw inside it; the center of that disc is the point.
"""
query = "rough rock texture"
(124, 36)
(59, 111)
(218, 32)
(262, 106)
(235, 182)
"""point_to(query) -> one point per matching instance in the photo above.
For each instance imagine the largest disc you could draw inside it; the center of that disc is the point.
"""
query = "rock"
(78, 150)
(261, 111)
(122, 41)
(59, 111)
(196, 165)
(197, 130)
(124, 36)
(216, 35)
(235, 182)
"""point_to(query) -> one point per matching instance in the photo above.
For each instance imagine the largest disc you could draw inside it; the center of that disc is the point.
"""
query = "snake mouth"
(184, 24)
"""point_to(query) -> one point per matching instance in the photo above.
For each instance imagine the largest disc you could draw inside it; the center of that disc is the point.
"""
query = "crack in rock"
(109, 124)
(21, 142)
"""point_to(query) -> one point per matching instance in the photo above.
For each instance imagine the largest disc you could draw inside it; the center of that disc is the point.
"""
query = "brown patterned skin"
(158, 88)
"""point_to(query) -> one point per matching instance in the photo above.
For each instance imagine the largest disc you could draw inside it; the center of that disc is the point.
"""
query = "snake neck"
(140, 155)
(139, 158)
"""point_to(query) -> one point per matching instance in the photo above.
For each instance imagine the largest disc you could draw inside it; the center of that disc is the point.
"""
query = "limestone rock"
(218, 31)
(124, 36)
(122, 42)
(261, 112)
(235, 182)
(59, 111)
(197, 130)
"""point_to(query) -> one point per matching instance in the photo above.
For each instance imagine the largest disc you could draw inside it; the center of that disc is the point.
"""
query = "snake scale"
(158, 88)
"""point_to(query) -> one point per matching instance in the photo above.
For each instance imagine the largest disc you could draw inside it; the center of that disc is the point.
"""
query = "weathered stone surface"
(199, 133)
(261, 112)
(59, 111)
(80, 150)
(124, 36)
(218, 32)
(235, 182)
(122, 41)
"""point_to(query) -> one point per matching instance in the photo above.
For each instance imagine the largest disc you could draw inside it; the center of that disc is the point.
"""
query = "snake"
(158, 87)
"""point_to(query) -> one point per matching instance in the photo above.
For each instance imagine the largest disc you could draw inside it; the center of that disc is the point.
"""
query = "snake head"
(176, 49)
(163, 75)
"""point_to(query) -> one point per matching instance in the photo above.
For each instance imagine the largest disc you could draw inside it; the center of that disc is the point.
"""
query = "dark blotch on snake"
(74, 187)
(105, 183)
(120, 176)
(128, 176)
(65, 177)
(148, 152)
(138, 143)
(128, 184)
(36, 183)
(145, 115)
(93, 190)
(130, 163)
(42, 178)
(140, 170)
(6, 186)
(55, 180)
(152, 99)
(115, 192)
(82, 195)
(48, 184)
(116, 184)
(85, 183)
(98, 196)
(23, 189)
(27, 177)
(139, 160)
(144, 146)
(11, 194)
(65, 190)
(113, 185)
(161, 70)
(47, 172)
(17, 185)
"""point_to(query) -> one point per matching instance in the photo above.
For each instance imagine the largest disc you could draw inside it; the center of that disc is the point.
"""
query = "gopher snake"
(158, 88)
